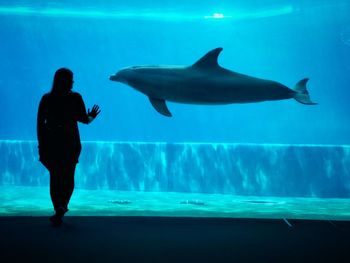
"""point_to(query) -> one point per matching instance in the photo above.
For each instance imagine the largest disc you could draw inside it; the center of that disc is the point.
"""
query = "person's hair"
(62, 81)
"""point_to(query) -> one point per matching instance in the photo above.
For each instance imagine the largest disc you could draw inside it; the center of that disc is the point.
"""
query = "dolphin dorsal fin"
(209, 60)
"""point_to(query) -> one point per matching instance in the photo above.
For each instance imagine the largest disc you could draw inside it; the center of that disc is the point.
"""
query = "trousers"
(61, 183)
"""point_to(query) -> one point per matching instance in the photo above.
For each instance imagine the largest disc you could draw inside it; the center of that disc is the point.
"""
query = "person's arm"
(40, 124)
(41, 130)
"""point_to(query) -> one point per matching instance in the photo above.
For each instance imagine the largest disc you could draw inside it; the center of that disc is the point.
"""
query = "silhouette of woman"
(58, 137)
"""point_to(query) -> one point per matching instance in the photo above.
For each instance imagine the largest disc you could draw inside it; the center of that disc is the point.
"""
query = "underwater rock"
(120, 202)
(259, 202)
(192, 202)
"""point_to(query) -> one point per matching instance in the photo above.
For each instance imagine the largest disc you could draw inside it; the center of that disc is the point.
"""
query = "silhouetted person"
(58, 137)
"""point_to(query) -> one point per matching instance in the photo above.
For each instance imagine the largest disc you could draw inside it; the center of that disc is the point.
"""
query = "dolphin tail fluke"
(302, 95)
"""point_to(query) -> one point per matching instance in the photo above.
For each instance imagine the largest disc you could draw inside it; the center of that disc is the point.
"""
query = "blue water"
(284, 41)
(280, 40)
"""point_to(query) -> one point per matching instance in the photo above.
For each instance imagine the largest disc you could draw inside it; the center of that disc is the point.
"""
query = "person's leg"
(55, 186)
(68, 183)
(56, 192)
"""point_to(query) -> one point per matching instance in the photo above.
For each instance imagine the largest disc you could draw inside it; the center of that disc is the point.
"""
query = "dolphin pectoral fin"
(160, 106)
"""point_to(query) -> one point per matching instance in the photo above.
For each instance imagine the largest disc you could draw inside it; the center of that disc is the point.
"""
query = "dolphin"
(205, 82)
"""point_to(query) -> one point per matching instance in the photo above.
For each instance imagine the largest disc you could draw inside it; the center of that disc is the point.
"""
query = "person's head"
(62, 81)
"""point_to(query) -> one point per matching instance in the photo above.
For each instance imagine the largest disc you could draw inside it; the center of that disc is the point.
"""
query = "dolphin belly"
(221, 92)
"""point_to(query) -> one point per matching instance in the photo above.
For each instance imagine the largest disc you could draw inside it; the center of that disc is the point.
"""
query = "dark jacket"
(57, 127)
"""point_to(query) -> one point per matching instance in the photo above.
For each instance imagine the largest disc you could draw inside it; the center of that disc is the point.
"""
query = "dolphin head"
(137, 77)
(128, 75)
(123, 75)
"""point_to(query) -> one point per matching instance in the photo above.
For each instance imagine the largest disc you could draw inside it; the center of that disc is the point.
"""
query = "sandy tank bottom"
(35, 201)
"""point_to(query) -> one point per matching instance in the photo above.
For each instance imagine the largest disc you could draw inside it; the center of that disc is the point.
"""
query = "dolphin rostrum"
(205, 82)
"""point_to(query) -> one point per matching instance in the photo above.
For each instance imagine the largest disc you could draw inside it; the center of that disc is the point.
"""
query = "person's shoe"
(61, 211)
(56, 220)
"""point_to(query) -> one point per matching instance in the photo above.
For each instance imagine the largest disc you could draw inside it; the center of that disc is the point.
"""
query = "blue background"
(280, 40)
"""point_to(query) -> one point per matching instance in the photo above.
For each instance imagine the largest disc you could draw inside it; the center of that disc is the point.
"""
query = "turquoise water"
(34, 201)
(292, 157)
(196, 180)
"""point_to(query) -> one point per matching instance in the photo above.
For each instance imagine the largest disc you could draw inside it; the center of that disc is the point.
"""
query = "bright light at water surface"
(215, 16)
(143, 14)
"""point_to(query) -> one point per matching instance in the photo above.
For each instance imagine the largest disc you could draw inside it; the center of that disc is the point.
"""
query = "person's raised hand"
(94, 111)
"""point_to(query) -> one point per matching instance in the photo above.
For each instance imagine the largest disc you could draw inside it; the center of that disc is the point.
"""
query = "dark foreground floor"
(156, 239)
